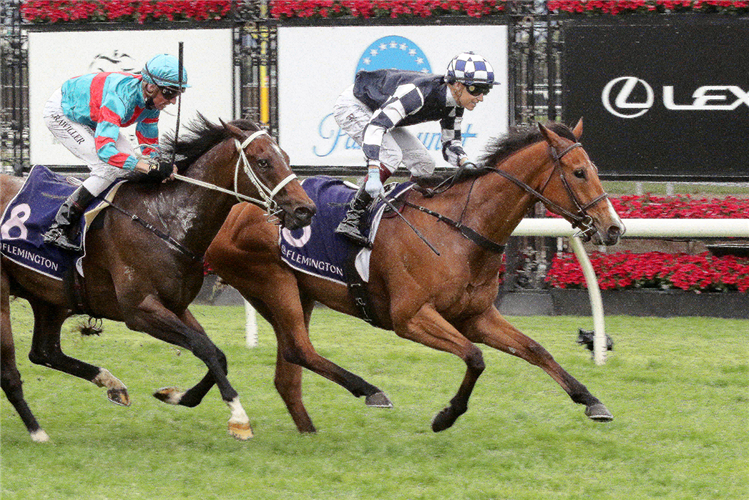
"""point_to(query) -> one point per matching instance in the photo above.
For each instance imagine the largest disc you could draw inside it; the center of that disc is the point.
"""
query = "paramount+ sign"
(661, 99)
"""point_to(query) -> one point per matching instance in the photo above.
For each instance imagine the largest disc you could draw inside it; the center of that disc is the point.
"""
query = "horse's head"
(574, 187)
(268, 176)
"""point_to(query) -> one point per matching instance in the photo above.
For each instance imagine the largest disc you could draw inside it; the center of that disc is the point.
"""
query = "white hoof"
(39, 436)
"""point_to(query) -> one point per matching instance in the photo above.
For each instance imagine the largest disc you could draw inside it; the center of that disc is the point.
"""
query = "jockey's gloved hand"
(373, 186)
(468, 165)
(159, 170)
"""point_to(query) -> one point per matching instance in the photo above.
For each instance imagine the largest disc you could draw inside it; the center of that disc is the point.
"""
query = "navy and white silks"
(373, 110)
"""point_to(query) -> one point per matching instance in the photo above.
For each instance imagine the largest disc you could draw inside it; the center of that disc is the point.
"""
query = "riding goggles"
(169, 93)
(477, 90)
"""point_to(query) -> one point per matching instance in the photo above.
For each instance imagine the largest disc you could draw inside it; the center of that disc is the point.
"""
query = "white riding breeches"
(79, 140)
(398, 145)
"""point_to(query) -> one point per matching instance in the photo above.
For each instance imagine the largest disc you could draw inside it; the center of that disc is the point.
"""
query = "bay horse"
(148, 278)
(445, 302)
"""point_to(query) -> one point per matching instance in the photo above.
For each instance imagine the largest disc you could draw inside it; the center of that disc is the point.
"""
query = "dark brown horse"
(147, 281)
(445, 302)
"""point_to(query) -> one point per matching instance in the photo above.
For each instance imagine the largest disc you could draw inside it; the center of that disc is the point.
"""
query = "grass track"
(678, 389)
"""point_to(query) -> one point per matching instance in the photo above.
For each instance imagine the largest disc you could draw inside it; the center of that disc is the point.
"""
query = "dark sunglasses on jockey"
(169, 93)
(478, 89)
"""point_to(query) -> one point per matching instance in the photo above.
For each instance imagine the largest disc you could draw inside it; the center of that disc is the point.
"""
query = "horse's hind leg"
(10, 378)
(46, 350)
(495, 331)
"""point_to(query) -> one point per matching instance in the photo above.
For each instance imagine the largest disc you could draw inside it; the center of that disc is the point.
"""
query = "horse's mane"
(202, 136)
(503, 147)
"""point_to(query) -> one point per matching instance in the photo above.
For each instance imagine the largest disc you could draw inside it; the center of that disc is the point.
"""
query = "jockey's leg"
(63, 230)
(350, 226)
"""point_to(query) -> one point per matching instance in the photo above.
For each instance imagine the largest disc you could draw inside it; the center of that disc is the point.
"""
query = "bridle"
(267, 195)
(582, 220)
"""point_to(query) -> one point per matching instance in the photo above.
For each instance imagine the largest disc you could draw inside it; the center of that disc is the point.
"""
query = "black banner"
(662, 99)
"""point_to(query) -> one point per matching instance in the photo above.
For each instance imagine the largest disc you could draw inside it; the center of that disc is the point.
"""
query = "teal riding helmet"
(163, 70)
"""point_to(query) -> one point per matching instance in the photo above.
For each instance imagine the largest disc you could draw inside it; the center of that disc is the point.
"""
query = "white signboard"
(315, 64)
(57, 56)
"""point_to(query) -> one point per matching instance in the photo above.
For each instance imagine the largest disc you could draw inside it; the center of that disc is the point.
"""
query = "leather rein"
(584, 222)
(267, 195)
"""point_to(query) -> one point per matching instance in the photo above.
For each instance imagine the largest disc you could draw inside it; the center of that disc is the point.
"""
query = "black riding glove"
(159, 170)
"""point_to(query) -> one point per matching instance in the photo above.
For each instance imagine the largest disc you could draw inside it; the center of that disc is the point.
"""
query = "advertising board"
(55, 56)
(315, 64)
(661, 100)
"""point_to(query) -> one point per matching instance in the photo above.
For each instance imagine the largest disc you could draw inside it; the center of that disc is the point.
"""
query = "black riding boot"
(62, 232)
(350, 226)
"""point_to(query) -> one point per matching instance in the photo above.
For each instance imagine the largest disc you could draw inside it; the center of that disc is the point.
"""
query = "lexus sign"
(665, 99)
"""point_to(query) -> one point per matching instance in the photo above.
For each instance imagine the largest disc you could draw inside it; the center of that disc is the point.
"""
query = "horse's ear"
(550, 136)
(578, 130)
(236, 132)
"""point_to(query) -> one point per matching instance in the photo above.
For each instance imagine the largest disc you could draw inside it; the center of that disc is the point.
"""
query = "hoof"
(241, 432)
(442, 420)
(169, 395)
(39, 436)
(119, 397)
(378, 400)
(599, 413)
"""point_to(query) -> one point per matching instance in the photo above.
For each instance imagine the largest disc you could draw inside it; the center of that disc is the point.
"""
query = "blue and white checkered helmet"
(470, 69)
(163, 70)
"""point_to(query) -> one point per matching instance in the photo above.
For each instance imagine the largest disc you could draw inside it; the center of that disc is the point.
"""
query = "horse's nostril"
(304, 213)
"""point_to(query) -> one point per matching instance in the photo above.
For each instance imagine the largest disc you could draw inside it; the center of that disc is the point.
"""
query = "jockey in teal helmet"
(86, 115)
(163, 71)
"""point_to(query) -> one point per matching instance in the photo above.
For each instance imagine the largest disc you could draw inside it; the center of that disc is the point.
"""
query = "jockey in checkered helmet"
(377, 110)
(473, 71)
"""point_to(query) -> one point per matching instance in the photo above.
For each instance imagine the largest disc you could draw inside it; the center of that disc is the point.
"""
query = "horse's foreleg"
(428, 327)
(10, 378)
(495, 331)
(150, 316)
(46, 350)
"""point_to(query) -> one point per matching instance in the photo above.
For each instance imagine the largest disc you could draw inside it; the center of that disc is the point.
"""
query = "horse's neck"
(191, 214)
(497, 205)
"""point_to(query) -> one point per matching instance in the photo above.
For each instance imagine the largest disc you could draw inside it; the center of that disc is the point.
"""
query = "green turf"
(677, 387)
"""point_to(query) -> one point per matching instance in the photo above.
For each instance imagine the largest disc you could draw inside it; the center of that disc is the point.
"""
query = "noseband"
(581, 220)
(265, 193)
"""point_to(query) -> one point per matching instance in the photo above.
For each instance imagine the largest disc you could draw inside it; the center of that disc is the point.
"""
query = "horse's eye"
(263, 164)
(579, 173)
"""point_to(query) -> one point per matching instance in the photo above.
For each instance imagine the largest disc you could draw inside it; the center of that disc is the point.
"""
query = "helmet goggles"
(170, 93)
(477, 89)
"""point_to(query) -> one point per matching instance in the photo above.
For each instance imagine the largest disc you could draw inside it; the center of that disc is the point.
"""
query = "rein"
(584, 222)
(266, 194)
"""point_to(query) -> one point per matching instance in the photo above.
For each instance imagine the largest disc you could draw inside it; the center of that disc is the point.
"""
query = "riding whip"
(421, 236)
(179, 101)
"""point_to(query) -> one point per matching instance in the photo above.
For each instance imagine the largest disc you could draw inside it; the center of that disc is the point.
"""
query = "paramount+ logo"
(631, 97)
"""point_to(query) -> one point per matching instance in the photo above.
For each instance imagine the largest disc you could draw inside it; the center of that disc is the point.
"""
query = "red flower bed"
(140, 11)
(678, 207)
(626, 270)
(287, 9)
(617, 7)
